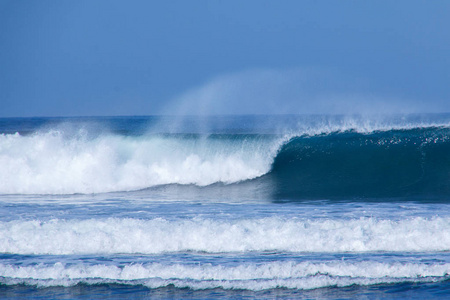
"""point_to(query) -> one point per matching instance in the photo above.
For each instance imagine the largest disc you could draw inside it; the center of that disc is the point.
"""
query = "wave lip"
(132, 236)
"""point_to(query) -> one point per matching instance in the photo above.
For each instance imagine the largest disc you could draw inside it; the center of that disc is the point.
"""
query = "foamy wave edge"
(135, 236)
(293, 275)
(52, 164)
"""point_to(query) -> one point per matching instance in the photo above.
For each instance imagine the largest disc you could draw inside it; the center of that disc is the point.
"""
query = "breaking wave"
(51, 163)
(343, 160)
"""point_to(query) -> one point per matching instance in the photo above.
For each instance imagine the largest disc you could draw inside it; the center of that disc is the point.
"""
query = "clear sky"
(106, 57)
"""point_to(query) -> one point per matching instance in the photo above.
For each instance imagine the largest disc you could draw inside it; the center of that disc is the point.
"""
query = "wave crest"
(51, 163)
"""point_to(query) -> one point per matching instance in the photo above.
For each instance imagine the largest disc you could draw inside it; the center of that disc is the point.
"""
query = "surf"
(256, 277)
(50, 163)
(289, 157)
(212, 235)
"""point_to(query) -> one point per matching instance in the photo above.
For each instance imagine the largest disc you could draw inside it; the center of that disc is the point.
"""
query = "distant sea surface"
(255, 207)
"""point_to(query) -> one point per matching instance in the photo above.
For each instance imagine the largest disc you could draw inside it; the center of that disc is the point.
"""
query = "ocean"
(254, 207)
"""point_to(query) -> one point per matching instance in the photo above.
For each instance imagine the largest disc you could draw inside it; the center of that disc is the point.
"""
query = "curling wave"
(393, 163)
(329, 162)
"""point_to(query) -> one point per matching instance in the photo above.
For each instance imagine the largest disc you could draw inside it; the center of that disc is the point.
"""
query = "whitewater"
(49, 163)
(225, 207)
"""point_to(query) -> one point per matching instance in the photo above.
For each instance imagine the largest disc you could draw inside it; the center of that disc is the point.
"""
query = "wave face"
(406, 162)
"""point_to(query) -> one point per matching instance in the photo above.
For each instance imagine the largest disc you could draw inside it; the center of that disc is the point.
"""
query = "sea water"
(225, 207)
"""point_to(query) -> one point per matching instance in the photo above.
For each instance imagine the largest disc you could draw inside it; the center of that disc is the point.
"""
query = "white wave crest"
(50, 163)
(290, 274)
(110, 236)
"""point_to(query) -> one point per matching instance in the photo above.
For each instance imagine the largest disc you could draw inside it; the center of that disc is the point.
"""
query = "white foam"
(252, 276)
(109, 236)
(51, 163)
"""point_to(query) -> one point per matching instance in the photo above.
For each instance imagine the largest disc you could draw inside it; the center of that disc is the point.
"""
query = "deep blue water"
(232, 206)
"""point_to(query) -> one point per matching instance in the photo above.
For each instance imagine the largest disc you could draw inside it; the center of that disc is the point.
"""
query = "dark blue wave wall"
(396, 163)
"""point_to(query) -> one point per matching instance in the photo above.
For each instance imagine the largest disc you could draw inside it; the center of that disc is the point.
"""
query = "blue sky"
(74, 58)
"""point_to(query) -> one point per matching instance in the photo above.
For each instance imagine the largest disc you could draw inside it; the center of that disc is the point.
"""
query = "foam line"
(299, 275)
(109, 236)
